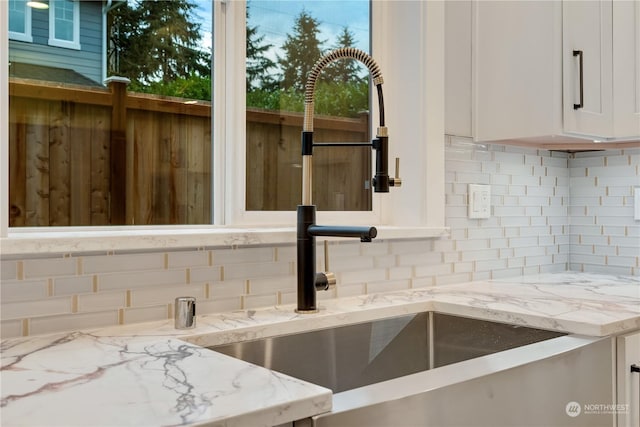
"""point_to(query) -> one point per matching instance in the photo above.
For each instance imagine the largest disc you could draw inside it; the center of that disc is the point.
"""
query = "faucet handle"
(396, 181)
(331, 278)
(326, 280)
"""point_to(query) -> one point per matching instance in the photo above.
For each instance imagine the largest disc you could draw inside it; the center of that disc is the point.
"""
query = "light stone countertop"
(152, 374)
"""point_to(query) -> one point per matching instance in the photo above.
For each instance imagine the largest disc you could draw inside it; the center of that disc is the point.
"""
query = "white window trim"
(391, 27)
(26, 36)
(53, 41)
(4, 122)
(235, 212)
(416, 128)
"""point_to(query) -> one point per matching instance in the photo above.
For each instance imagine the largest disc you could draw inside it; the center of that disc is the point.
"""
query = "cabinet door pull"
(635, 368)
(581, 104)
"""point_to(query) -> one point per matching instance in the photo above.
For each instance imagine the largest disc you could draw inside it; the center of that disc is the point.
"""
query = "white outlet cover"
(479, 201)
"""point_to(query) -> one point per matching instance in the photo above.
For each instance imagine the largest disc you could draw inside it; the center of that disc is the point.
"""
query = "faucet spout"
(308, 280)
(365, 234)
(381, 180)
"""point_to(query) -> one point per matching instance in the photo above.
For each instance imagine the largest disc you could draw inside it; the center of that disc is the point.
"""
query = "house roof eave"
(109, 5)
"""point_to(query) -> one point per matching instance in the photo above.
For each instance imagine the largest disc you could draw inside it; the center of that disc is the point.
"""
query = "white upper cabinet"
(503, 63)
(511, 72)
(601, 84)
(516, 63)
(457, 59)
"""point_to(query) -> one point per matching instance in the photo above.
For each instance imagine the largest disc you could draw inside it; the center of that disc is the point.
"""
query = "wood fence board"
(142, 164)
(80, 167)
(207, 190)
(37, 168)
(289, 177)
(99, 160)
(17, 163)
(162, 168)
(261, 169)
(198, 174)
(177, 172)
(130, 170)
(59, 160)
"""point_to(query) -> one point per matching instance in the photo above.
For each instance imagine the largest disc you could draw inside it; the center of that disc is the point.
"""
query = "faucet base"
(306, 260)
(312, 311)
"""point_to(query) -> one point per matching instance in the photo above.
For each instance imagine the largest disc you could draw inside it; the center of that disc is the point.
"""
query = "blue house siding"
(40, 26)
(87, 61)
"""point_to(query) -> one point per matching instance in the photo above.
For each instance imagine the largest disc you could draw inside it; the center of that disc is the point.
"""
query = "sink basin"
(347, 357)
(433, 369)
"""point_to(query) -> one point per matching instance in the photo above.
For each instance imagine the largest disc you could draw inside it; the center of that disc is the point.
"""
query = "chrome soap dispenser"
(185, 313)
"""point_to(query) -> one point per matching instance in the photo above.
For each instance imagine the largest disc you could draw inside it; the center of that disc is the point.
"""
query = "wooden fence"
(274, 163)
(86, 156)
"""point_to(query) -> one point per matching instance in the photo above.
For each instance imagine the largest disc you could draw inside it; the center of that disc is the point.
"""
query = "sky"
(275, 18)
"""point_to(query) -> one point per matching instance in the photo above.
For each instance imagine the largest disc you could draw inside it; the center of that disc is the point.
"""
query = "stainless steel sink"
(432, 369)
(348, 357)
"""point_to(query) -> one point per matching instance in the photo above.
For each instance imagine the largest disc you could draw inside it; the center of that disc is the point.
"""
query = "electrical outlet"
(479, 201)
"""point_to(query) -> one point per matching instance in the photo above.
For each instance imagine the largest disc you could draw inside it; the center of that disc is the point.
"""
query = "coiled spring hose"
(342, 53)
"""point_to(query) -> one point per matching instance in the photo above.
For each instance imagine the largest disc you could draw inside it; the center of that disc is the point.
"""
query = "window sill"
(20, 37)
(78, 239)
(64, 44)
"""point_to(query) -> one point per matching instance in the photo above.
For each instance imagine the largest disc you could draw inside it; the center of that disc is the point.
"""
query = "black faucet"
(308, 280)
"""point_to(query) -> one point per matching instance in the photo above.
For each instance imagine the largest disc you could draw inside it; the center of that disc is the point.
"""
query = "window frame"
(391, 26)
(26, 36)
(236, 211)
(422, 194)
(67, 44)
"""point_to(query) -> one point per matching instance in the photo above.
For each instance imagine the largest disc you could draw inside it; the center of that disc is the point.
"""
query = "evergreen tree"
(258, 64)
(124, 52)
(156, 40)
(301, 50)
(344, 70)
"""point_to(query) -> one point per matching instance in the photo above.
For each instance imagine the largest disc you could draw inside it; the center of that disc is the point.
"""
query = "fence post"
(118, 150)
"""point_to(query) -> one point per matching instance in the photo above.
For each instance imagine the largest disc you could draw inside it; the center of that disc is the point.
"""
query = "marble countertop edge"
(243, 325)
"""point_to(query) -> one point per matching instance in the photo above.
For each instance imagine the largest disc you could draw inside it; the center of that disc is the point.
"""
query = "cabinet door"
(457, 102)
(503, 62)
(516, 69)
(587, 67)
(626, 68)
(628, 393)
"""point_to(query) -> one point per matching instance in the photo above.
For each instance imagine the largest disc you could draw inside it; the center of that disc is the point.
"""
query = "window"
(137, 152)
(284, 41)
(20, 21)
(171, 173)
(407, 43)
(64, 23)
